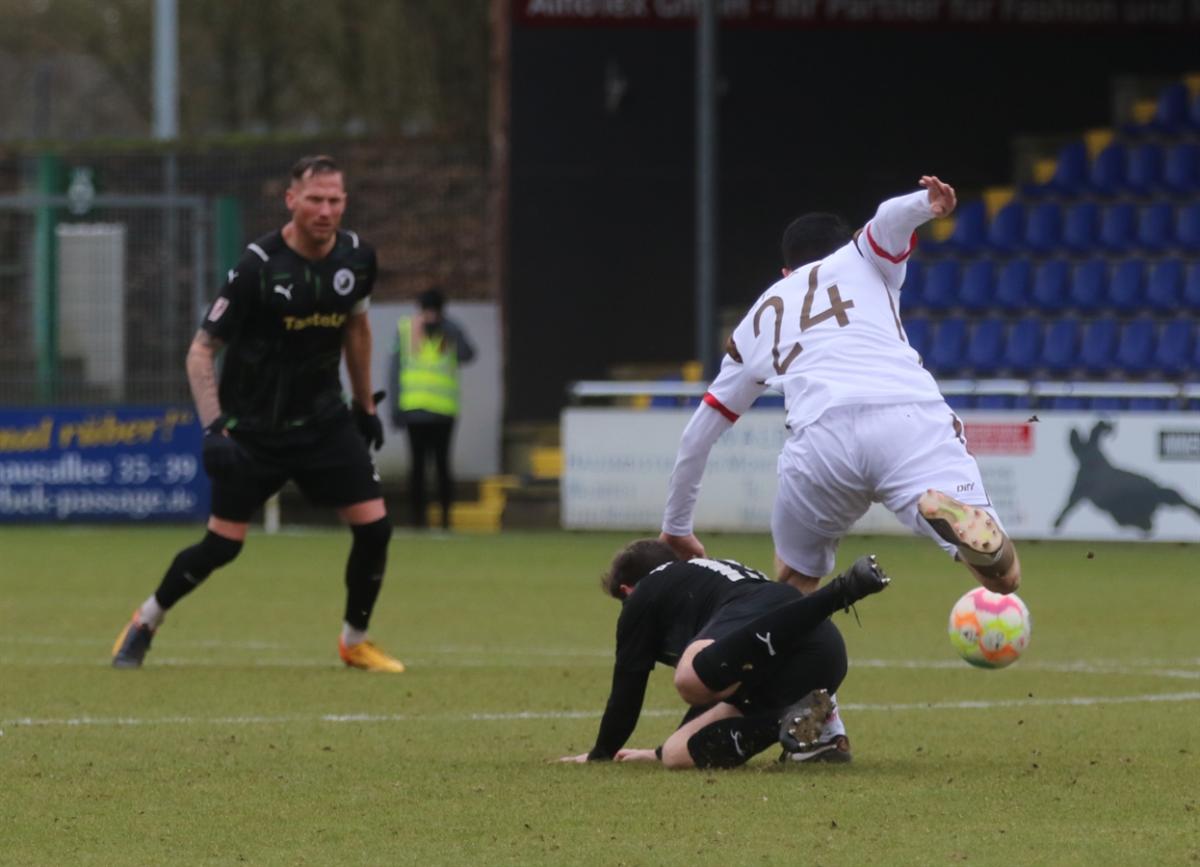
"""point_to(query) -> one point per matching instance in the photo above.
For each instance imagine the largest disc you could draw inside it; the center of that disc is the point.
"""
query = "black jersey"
(282, 317)
(667, 609)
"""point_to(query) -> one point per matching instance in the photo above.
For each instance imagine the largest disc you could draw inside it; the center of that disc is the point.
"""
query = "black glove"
(219, 452)
(370, 427)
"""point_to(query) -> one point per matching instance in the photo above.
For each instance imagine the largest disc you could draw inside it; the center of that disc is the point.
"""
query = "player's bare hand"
(941, 196)
(636, 756)
(580, 759)
(686, 547)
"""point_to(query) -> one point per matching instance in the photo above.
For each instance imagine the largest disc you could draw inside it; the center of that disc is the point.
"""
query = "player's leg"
(419, 447)
(978, 539)
(441, 434)
(234, 499)
(710, 670)
(338, 472)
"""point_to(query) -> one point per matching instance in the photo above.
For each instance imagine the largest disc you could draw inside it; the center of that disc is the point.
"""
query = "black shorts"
(331, 465)
(819, 662)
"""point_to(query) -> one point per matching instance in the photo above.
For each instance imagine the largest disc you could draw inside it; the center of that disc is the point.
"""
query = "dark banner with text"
(866, 13)
(101, 464)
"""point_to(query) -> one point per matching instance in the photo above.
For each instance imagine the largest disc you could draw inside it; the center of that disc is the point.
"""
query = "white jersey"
(829, 334)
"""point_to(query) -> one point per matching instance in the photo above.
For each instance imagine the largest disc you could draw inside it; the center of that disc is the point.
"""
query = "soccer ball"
(989, 629)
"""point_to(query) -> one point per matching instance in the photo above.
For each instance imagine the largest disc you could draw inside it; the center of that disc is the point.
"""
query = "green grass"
(232, 744)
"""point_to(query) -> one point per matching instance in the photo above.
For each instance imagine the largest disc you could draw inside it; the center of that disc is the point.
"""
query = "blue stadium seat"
(1060, 346)
(941, 285)
(1050, 285)
(1165, 286)
(1149, 404)
(1181, 168)
(960, 401)
(969, 233)
(1171, 110)
(917, 332)
(1089, 285)
(1107, 404)
(985, 349)
(1024, 347)
(1107, 174)
(1071, 171)
(1191, 287)
(910, 292)
(995, 401)
(1125, 288)
(1144, 171)
(1081, 228)
(1007, 229)
(1043, 228)
(1118, 227)
(1156, 227)
(948, 350)
(1187, 227)
(1135, 347)
(1012, 285)
(1173, 355)
(1097, 346)
(975, 291)
(1071, 403)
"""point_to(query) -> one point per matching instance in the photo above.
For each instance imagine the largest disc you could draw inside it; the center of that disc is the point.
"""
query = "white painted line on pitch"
(1075, 701)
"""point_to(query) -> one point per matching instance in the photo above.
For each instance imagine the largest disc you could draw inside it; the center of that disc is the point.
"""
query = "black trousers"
(430, 439)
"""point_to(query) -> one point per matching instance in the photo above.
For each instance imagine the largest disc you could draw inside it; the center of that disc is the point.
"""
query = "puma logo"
(737, 743)
(285, 291)
(766, 639)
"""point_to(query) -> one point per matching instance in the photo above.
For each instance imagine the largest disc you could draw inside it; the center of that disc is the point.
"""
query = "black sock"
(192, 565)
(765, 640)
(364, 570)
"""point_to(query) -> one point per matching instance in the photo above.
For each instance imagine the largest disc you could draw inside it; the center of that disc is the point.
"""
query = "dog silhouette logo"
(1130, 499)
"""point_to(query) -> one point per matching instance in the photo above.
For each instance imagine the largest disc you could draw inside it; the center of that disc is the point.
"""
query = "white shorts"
(832, 470)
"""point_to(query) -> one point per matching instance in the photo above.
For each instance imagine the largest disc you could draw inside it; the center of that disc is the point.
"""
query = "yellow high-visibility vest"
(428, 371)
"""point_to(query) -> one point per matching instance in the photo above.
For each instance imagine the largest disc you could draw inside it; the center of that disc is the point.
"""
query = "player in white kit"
(867, 422)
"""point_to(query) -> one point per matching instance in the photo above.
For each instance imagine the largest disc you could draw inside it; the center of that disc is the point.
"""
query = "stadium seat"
(1106, 176)
(1006, 231)
(995, 401)
(1181, 168)
(1144, 171)
(1081, 228)
(1050, 285)
(1012, 285)
(917, 332)
(1187, 227)
(1156, 227)
(1173, 354)
(975, 292)
(969, 233)
(960, 401)
(1171, 110)
(1107, 404)
(1097, 346)
(1089, 284)
(1149, 404)
(985, 349)
(1118, 225)
(910, 292)
(1071, 171)
(1125, 288)
(1043, 229)
(1165, 286)
(1068, 403)
(948, 349)
(1135, 347)
(941, 285)
(1024, 346)
(1191, 287)
(1060, 346)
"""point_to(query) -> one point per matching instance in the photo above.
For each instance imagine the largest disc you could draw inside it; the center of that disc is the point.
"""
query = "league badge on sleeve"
(343, 281)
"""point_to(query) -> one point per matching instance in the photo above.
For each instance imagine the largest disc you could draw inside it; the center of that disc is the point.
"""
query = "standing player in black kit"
(293, 306)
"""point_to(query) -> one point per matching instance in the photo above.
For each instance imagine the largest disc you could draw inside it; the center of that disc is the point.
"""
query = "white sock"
(352, 636)
(834, 725)
(151, 613)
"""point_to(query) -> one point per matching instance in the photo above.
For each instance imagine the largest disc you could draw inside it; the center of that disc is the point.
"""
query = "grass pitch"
(244, 740)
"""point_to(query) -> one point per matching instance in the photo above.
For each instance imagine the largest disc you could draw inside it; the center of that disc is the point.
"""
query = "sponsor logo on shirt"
(315, 320)
(343, 281)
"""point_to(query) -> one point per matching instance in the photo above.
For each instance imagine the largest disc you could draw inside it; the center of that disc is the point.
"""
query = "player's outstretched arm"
(889, 237)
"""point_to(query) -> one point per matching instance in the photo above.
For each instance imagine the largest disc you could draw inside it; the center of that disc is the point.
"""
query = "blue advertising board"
(101, 464)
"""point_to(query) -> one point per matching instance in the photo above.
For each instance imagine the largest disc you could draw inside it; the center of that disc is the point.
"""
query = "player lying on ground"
(867, 422)
(756, 660)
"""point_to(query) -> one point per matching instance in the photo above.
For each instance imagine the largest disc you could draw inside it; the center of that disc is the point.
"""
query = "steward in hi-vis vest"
(428, 378)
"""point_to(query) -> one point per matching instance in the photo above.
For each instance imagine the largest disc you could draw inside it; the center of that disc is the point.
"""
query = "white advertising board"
(1055, 475)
